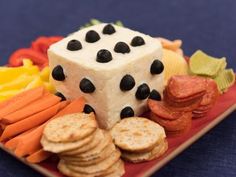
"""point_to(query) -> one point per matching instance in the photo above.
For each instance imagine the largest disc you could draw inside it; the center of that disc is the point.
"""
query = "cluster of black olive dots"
(127, 82)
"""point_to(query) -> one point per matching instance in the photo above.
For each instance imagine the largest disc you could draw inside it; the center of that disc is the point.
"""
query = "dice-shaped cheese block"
(114, 68)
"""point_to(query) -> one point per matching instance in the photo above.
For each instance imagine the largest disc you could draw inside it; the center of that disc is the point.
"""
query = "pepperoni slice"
(174, 125)
(184, 106)
(196, 116)
(211, 94)
(179, 100)
(200, 112)
(179, 132)
(163, 111)
(203, 108)
(183, 86)
(208, 100)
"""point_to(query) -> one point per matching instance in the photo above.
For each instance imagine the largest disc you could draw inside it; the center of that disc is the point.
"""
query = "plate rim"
(160, 163)
(190, 141)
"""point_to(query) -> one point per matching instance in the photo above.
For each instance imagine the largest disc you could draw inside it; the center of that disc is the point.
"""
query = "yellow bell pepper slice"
(49, 87)
(7, 94)
(27, 62)
(44, 74)
(8, 74)
(19, 83)
(36, 82)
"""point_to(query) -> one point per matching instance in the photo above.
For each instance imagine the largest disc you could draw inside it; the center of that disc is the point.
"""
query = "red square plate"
(225, 105)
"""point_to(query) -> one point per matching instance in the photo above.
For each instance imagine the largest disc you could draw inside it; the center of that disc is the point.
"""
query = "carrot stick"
(12, 143)
(21, 150)
(30, 145)
(2, 125)
(3, 103)
(37, 106)
(38, 156)
(74, 107)
(21, 100)
(30, 122)
(13, 99)
(1, 129)
(31, 141)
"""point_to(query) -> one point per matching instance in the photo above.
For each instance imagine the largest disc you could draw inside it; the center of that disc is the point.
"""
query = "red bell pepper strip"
(42, 44)
(37, 53)
(16, 59)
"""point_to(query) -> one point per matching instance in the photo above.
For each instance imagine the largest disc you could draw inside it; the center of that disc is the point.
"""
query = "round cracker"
(120, 171)
(99, 167)
(93, 153)
(157, 151)
(70, 127)
(119, 165)
(98, 137)
(62, 167)
(94, 160)
(137, 134)
(162, 150)
(62, 147)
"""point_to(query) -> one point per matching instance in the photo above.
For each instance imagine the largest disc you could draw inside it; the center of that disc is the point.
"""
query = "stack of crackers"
(83, 148)
(139, 139)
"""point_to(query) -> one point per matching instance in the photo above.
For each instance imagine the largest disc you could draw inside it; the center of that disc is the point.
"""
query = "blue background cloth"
(209, 25)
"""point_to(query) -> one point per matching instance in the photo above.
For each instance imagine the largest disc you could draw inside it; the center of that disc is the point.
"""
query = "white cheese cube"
(78, 71)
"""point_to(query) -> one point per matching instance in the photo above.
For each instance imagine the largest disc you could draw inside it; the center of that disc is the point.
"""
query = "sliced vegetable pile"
(27, 68)
(24, 116)
(14, 80)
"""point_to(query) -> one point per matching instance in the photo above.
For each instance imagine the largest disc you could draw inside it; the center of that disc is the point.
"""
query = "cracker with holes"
(66, 146)
(113, 67)
(98, 137)
(71, 127)
(114, 171)
(99, 167)
(137, 134)
(156, 152)
(139, 139)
